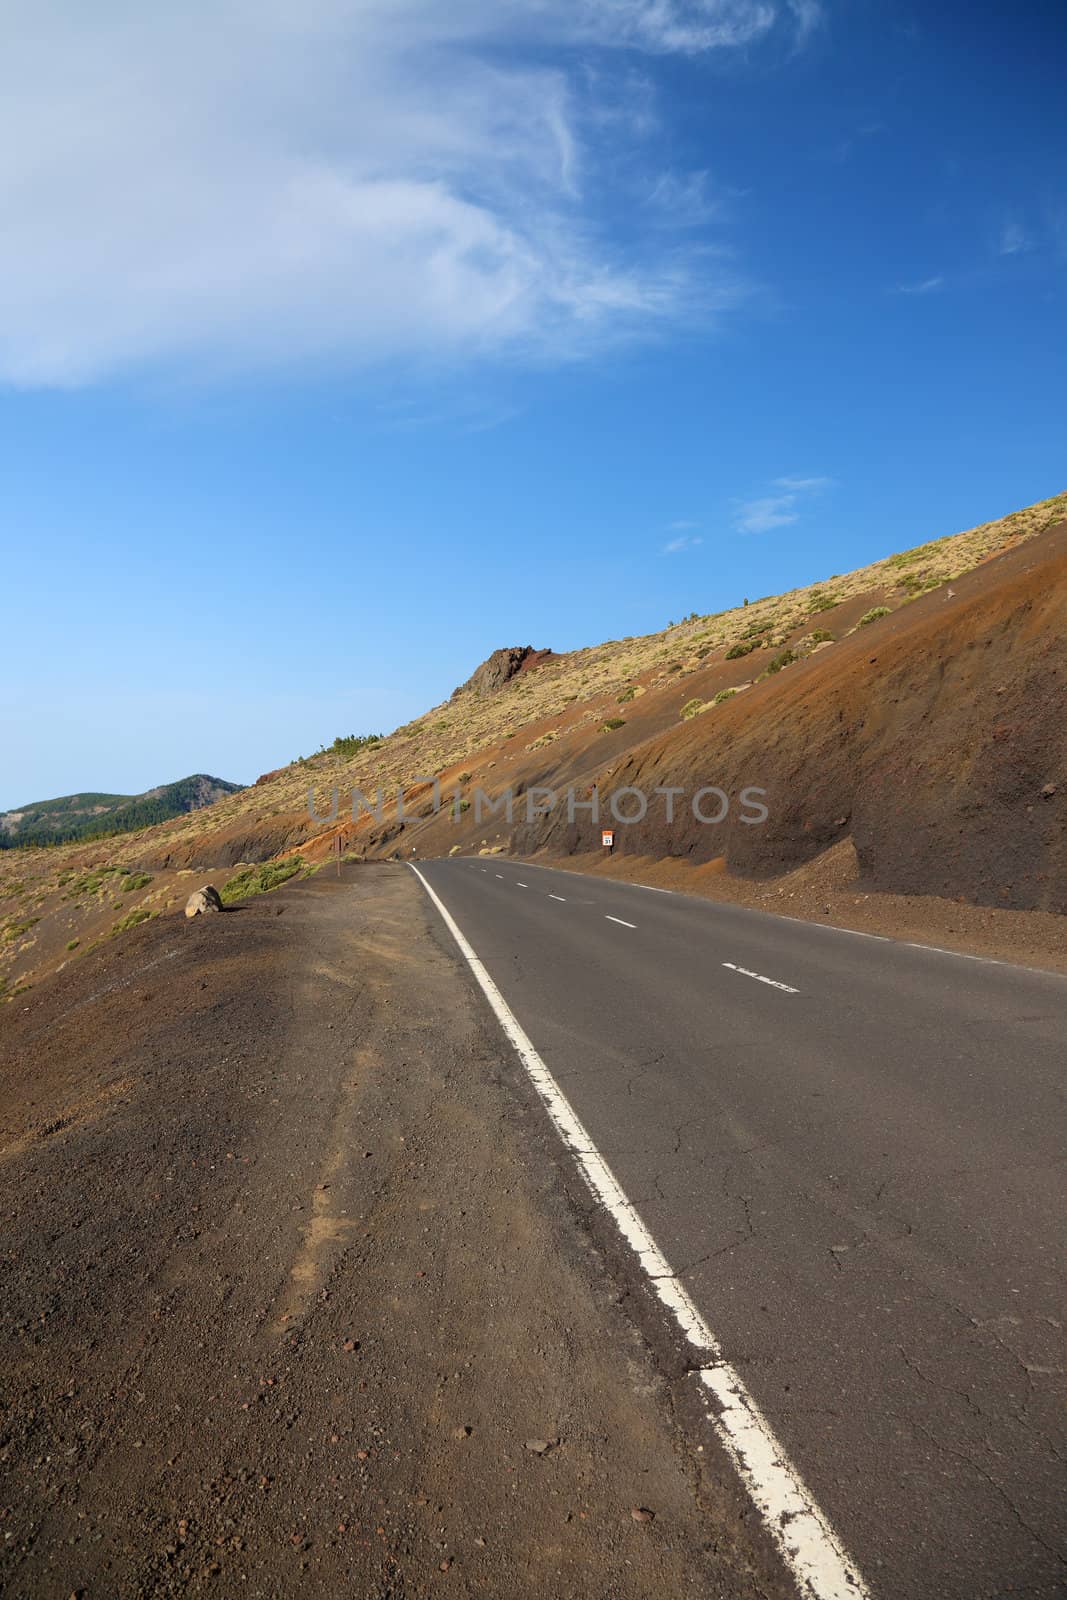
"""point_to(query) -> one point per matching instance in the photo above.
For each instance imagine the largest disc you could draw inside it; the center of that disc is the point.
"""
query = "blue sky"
(344, 341)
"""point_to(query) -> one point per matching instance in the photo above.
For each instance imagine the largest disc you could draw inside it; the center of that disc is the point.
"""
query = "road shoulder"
(297, 1302)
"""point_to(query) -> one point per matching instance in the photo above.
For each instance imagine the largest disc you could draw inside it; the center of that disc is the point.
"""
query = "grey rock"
(498, 669)
(203, 901)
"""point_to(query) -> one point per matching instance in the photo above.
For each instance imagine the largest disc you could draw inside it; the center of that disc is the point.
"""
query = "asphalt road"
(852, 1151)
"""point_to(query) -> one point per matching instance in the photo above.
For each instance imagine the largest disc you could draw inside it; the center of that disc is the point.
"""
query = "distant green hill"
(92, 816)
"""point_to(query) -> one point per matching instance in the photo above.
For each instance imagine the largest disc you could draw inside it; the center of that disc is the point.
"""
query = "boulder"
(203, 901)
(501, 667)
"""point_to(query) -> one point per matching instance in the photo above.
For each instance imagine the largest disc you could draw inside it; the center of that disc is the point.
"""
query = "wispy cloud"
(779, 510)
(804, 485)
(684, 26)
(853, 141)
(808, 15)
(923, 286)
(681, 200)
(232, 186)
(767, 512)
(682, 541)
(1014, 240)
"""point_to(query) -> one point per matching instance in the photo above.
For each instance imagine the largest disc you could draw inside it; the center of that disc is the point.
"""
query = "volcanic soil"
(295, 1302)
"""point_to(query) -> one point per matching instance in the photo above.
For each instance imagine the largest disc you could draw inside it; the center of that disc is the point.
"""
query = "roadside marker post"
(607, 838)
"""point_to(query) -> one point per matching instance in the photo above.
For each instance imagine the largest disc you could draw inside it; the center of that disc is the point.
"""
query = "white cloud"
(1014, 240)
(681, 200)
(808, 15)
(804, 485)
(688, 26)
(684, 541)
(779, 510)
(770, 511)
(923, 286)
(235, 184)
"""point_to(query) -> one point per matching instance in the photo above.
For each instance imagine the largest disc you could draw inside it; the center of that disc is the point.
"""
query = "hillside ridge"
(89, 814)
(913, 707)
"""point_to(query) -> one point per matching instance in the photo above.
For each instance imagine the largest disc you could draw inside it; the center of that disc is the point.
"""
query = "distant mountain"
(91, 816)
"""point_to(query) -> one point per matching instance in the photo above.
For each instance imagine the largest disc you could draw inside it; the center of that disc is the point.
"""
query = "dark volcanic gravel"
(292, 1280)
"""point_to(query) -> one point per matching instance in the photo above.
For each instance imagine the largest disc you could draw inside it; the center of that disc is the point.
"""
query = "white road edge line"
(746, 973)
(803, 922)
(801, 1533)
(619, 920)
(834, 927)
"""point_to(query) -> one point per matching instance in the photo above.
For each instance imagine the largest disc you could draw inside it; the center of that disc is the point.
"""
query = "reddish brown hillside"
(936, 736)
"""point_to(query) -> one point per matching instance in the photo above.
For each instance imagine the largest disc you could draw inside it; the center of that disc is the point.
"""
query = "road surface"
(851, 1151)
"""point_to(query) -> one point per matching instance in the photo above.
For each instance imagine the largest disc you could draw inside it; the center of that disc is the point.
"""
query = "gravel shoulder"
(299, 1299)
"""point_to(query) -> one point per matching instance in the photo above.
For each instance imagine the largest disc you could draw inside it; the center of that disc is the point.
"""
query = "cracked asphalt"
(852, 1152)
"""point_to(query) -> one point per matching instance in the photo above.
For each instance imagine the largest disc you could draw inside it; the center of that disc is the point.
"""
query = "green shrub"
(786, 659)
(260, 879)
(15, 930)
(743, 647)
(132, 918)
(350, 744)
(612, 723)
(90, 882)
(135, 880)
(72, 944)
(627, 694)
(872, 615)
(723, 694)
(691, 708)
(822, 636)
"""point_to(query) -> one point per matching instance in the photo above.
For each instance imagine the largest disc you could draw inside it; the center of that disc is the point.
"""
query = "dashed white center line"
(560, 897)
(621, 923)
(500, 875)
(806, 1541)
(519, 885)
(745, 973)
